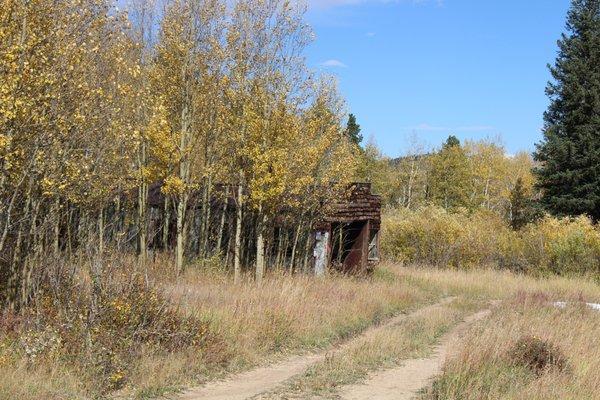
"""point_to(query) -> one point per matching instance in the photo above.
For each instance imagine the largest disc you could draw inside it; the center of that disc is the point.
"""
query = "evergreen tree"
(523, 209)
(353, 130)
(569, 175)
(452, 141)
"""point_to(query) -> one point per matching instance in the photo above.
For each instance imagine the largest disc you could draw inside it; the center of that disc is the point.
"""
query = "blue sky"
(430, 68)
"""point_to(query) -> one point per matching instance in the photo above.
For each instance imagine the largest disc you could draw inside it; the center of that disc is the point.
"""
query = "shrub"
(562, 246)
(434, 236)
(103, 336)
(537, 355)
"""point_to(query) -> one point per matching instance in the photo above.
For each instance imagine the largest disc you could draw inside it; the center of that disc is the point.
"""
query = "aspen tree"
(65, 85)
(93, 107)
(142, 12)
(265, 38)
(188, 40)
(489, 168)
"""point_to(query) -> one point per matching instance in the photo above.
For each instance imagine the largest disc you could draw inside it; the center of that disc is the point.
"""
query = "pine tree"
(452, 141)
(569, 175)
(520, 206)
(353, 130)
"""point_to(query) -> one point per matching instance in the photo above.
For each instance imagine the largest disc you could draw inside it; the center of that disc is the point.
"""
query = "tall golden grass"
(470, 374)
(293, 312)
(484, 364)
(250, 324)
(318, 312)
(238, 326)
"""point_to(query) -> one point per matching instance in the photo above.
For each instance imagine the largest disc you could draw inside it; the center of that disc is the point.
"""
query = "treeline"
(476, 175)
(471, 206)
(97, 105)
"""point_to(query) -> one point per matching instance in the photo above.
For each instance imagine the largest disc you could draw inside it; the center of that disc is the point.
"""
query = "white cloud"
(370, 34)
(334, 64)
(321, 4)
(475, 128)
(435, 128)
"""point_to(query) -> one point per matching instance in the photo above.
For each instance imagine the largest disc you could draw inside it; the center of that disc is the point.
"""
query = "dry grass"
(383, 348)
(247, 324)
(485, 365)
(294, 314)
(286, 314)
(19, 380)
(494, 284)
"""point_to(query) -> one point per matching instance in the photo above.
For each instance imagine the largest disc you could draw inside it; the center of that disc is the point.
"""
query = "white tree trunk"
(181, 206)
(260, 247)
(222, 223)
(295, 246)
(142, 206)
(238, 236)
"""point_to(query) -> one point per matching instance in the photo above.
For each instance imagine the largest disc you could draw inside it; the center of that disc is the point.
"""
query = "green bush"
(434, 236)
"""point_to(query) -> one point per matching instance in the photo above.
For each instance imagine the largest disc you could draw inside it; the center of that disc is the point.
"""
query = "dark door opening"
(348, 245)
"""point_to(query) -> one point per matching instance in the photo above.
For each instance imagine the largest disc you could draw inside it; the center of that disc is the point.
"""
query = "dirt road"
(404, 382)
(254, 382)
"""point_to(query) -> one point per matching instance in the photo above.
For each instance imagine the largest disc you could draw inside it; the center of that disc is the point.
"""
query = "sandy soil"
(251, 383)
(404, 382)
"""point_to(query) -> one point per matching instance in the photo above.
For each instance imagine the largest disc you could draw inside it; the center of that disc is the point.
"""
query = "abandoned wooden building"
(347, 236)
(342, 234)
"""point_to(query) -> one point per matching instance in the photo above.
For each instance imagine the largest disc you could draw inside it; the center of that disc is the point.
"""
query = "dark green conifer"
(523, 209)
(569, 174)
(353, 130)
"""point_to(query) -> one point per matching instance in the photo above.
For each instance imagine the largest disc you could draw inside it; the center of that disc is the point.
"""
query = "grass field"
(528, 349)
(253, 325)
(488, 362)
